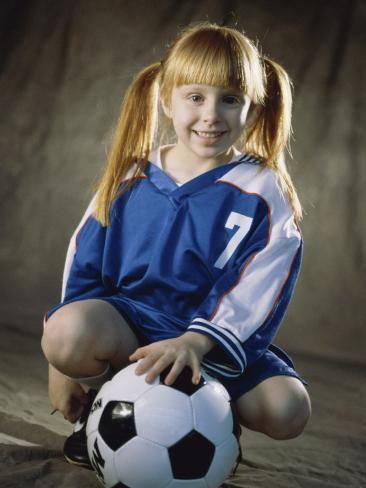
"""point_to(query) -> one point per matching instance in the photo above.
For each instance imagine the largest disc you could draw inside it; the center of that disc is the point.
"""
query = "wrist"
(201, 341)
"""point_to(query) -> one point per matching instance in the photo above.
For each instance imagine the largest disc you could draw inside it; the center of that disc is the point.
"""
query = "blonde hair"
(209, 54)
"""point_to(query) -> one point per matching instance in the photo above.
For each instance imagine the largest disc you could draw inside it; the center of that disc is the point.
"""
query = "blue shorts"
(273, 362)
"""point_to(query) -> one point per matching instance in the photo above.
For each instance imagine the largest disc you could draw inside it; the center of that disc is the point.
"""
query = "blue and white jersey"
(218, 255)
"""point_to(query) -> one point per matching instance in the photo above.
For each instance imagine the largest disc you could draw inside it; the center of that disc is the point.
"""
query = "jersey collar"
(167, 185)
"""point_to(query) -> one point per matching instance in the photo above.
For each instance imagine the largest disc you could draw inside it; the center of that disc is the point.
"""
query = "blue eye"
(196, 98)
(231, 100)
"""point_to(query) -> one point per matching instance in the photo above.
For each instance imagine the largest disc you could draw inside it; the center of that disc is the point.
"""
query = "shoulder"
(252, 178)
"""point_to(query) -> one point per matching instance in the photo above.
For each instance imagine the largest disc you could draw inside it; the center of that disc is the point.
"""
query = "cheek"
(182, 119)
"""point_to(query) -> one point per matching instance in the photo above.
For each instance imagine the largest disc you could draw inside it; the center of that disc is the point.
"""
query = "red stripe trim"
(255, 194)
(234, 285)
(253, 255)
(283, 285)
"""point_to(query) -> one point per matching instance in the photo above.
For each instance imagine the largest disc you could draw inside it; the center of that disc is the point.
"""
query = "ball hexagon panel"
(191, 456)
(101, 457)
(212, 414)
(214, 383)
(184, 381)
(141, 463)
(223, 462)
(128, 386)
(163, 415)
(117, 424)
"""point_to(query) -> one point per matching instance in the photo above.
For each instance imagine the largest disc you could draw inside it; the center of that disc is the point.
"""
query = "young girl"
(189, 252)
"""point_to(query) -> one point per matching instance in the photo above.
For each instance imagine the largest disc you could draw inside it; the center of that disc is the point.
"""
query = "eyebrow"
(200, 88)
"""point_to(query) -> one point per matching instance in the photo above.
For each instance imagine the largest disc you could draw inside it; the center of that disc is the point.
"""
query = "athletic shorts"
(273, 362)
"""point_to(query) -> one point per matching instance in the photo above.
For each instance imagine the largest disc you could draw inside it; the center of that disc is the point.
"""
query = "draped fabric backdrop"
(64, 67)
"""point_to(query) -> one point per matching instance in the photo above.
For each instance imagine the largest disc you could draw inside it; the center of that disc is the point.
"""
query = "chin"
(211, 152)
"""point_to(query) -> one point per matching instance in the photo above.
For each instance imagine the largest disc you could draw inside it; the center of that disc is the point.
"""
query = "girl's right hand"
(66, 396)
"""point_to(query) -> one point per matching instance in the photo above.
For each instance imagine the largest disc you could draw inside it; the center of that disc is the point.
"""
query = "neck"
(178, 157)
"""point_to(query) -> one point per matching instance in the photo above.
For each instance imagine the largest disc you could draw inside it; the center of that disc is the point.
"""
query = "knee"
(65, 337)
(287, 419)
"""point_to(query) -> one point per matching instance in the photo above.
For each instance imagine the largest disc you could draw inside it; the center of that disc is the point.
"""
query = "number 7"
(244, 223)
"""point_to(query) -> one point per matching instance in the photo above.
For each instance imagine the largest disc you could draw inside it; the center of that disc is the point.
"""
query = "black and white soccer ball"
(144, 435)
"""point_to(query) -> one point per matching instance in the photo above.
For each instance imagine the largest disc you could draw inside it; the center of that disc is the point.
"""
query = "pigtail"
(270, 133)
(132, 141)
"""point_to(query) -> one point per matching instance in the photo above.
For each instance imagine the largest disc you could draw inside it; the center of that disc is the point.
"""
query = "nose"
(211, 112)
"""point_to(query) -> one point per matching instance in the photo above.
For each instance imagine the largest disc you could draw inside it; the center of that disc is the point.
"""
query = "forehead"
(220, 57)
(207, 89)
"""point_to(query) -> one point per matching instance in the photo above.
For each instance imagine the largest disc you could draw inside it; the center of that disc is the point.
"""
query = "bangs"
(217, 57)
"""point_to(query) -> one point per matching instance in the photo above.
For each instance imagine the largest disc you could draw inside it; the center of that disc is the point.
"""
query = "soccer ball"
(144, 435)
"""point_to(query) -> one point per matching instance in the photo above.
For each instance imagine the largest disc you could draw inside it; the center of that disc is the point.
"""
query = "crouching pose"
(189, 251)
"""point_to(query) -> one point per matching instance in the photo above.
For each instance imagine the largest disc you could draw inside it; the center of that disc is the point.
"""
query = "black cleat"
(75, 448)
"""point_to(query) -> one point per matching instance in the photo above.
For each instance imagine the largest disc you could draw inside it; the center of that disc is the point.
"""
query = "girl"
(189, 252)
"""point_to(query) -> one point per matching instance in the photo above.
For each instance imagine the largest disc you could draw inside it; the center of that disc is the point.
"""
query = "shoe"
(75, 449)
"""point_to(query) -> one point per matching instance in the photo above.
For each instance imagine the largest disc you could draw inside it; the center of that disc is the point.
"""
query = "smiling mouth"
(209, 134)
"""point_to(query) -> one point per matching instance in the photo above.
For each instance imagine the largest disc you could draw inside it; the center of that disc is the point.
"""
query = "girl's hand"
(186, 350)
(66, 395)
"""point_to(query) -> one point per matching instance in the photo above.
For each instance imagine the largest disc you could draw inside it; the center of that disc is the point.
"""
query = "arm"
(82, 271)
(243, 315)
(244, 308)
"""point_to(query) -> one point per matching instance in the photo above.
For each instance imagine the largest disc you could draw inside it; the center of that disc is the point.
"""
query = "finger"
(138, 354)
(175, 371)
(147, 363)
(158, 367)
(196, 370)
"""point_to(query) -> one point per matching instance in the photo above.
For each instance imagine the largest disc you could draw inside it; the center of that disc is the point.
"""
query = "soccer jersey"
(218, 255)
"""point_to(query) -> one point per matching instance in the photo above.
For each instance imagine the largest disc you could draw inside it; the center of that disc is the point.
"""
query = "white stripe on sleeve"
(72, 246)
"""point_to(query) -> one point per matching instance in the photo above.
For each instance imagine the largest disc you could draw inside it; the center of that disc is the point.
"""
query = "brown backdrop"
(63, 69)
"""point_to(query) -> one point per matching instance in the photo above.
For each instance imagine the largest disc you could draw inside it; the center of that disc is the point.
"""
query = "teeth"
(208, 134)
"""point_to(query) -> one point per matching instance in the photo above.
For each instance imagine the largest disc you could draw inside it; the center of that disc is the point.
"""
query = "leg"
(82, 338)
(279, 407)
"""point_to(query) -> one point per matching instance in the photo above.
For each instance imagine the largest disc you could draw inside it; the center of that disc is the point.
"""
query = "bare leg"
(83, 337)
(278, 407)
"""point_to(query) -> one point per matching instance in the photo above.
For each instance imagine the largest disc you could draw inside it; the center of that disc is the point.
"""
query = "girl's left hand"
(185, 350)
